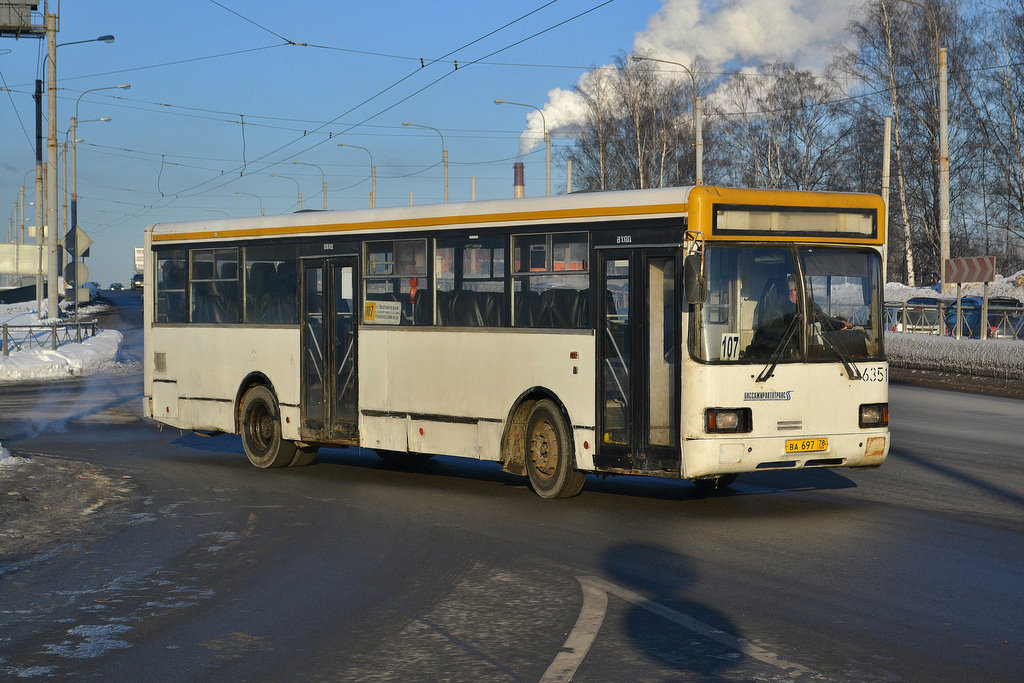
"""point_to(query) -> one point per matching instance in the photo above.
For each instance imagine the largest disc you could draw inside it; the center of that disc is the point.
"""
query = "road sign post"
(971, 269)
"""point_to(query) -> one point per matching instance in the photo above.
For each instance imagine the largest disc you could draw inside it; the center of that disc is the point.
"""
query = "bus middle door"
(638, 321)
(330, 396)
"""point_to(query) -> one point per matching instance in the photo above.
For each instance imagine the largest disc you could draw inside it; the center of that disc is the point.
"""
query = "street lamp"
(322, 177)
(444, 153)
(101, 39)
(250, 194)
(70, 149)
(71, 133)
(297, 187)
(698, 132)
(547, 137)
(373, 173)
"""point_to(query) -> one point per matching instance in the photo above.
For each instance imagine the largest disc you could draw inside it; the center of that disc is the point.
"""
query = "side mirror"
(695, 285)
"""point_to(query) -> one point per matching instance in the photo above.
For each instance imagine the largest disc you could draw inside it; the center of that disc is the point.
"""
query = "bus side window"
(551, 281)
(470, 274)
(395, 276)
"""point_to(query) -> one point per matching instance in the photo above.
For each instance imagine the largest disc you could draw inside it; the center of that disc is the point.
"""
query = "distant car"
(116, 286)
(137, 281)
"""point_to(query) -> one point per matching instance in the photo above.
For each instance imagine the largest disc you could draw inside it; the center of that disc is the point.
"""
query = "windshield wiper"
(852, 371)
(769, 369)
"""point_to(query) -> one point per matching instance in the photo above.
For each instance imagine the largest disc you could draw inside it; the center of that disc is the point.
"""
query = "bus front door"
(329, 379)
(638, 378)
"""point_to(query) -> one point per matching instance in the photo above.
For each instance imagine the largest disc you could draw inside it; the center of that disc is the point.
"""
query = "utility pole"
(50, 228)
(943, 169)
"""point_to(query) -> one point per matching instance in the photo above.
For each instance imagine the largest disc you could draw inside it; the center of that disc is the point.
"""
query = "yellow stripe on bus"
(429, 222)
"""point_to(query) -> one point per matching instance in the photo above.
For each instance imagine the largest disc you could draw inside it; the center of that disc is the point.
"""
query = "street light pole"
(698, 131)
(72, 131)
(373, 173)
(547, 138)
(322, 177)
(444, 153)
(298, 188)
(250, 194)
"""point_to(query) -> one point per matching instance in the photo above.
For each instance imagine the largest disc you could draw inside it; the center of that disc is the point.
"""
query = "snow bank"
(68, 360)
(1003, 358)
(5, 457)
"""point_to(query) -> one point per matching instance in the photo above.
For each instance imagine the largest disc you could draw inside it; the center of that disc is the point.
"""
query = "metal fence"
(1005, 322)
(46, 335)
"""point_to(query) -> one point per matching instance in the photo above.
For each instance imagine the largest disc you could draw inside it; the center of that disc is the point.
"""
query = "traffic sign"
(76, 242)
(971, 269)
(76, 272)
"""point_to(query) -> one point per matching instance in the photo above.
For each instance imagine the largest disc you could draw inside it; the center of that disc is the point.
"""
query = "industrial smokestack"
(518, 184)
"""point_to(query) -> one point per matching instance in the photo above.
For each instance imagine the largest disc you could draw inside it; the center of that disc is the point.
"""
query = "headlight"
(727, 420)
(874, 415)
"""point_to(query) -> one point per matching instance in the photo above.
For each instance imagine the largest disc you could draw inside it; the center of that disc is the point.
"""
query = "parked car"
(137, 281)
(116, 286)
(1004, 317)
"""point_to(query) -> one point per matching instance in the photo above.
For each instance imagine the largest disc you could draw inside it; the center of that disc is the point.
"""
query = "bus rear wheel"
(261, 430)
(550, 465)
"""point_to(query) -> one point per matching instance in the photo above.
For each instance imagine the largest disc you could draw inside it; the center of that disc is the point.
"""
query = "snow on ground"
(1011, 287)
(1003, 358)
(69, 359)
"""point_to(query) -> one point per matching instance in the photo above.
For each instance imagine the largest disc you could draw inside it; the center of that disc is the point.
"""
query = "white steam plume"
(724, 34)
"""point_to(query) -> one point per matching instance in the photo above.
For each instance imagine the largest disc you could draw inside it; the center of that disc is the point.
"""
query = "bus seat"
(581, 316)
(558, 306)
(527, 309)
(773, 303)
(229, 270)
(444, 307)
(492, 307)
(422, 313)
(466, 309)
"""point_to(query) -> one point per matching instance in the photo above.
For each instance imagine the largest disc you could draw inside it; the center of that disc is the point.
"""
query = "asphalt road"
(164, 556)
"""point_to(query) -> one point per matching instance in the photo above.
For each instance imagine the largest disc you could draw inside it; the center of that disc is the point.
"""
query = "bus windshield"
(792, 303)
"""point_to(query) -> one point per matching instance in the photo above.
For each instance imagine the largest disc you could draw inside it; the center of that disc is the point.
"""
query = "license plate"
(806, 445)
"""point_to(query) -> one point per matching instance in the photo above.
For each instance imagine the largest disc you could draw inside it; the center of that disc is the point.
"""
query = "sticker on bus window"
(382, 313)
(730, 346)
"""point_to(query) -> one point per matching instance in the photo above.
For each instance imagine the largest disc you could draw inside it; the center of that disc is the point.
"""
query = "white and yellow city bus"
(695, 333)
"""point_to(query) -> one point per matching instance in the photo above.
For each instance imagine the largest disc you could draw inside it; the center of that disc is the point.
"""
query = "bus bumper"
(730, 455)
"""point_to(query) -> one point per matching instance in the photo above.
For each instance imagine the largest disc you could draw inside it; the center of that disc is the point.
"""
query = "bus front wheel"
(550, 465)
(261, 430)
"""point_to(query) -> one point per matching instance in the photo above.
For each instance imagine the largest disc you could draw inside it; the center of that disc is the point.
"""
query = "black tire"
(550, 462)
(709, 485)
(261, 430)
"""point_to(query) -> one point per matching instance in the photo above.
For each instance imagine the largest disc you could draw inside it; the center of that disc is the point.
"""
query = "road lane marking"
(706, 630)
(583, 634)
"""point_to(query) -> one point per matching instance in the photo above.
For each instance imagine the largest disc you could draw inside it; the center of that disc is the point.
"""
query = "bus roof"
(582, 207)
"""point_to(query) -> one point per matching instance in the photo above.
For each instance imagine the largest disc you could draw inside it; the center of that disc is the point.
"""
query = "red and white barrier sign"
(971, 269)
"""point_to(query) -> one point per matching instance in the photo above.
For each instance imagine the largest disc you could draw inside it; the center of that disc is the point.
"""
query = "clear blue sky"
(219, 100)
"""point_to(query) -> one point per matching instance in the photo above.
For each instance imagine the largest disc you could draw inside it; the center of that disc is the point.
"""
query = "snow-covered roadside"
(1003, 358)
(68, 360)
